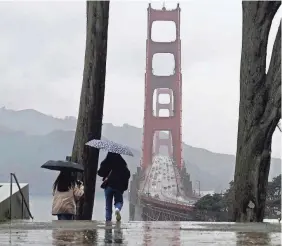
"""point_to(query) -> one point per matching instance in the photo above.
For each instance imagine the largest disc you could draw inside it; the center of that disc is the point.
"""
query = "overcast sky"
(42, 53)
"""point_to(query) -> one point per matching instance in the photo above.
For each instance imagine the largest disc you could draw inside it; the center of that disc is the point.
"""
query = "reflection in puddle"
(71, 237)
(114, 235)
(139, 233)
(257, 238)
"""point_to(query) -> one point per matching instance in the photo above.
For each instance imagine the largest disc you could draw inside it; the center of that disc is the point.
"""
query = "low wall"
(19, 211)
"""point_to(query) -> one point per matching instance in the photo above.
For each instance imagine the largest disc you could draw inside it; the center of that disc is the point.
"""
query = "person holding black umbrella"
(66, 192)
(116, 175)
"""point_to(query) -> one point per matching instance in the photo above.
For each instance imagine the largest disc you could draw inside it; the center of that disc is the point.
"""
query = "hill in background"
(29, 138)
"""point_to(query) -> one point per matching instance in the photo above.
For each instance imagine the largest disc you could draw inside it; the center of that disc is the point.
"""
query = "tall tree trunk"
(89, 124)
(259, 111)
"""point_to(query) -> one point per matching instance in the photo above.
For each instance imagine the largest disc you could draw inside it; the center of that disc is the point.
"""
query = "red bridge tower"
(171, 85)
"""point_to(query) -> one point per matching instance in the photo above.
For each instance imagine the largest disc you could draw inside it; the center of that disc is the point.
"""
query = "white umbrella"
(110, 146)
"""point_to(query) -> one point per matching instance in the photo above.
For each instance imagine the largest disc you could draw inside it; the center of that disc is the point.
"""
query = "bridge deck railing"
(167, 204)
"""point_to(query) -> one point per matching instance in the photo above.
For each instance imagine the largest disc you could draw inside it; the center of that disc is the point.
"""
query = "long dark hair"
(114, 160)
(64, 182)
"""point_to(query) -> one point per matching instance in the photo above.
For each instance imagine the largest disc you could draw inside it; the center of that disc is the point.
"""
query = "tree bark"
(89, 124)
(259, 110)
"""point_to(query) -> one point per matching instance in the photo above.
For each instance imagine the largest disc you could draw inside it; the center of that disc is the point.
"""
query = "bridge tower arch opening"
(163, 116)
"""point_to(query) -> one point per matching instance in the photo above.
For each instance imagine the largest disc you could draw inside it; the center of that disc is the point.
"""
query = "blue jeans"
(111, 193)
(65, 216)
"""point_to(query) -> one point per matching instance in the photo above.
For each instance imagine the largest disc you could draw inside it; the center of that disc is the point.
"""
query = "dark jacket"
(120, 175)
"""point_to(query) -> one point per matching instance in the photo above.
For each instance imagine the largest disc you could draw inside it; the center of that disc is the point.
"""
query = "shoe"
(118, 217)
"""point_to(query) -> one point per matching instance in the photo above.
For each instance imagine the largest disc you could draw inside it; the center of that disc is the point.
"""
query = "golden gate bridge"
(161, 189)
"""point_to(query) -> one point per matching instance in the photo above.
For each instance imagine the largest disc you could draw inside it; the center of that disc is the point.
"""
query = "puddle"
(134, 233)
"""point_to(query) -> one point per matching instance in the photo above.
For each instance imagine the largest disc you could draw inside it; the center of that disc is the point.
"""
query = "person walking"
(116, 175)
(66, 192)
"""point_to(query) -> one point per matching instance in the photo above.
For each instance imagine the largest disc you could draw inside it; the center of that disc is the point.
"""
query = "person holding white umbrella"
(116, 175)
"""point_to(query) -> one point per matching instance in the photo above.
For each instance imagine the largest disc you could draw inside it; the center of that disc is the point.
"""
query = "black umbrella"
(63, 166)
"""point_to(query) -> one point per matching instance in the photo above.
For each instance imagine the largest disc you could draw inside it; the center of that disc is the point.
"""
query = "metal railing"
(169, 204)
(165, 206)
(24, 203)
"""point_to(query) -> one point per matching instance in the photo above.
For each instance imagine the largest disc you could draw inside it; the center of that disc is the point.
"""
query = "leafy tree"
(274, 188)
(223, 203)
(273, 202)
(213, 203)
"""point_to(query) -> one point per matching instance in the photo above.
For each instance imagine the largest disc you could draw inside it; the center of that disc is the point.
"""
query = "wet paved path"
(64, 233)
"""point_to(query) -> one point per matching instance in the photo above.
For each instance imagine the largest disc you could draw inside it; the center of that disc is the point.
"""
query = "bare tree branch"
(273, 84)
(279, 127)
(257, 14)
(275, 61)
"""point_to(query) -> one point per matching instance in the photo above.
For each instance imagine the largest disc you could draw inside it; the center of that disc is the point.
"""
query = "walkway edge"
(137, 225)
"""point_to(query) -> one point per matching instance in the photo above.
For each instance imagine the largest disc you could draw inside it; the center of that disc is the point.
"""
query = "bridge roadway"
(163, 183)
